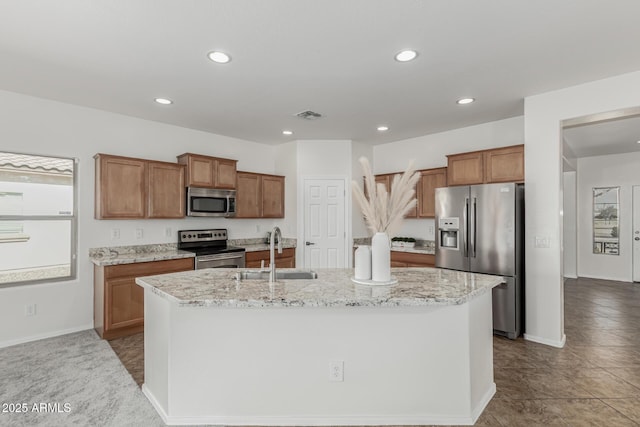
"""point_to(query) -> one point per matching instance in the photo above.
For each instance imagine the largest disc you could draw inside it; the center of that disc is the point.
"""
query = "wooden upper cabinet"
(248, 196)
(226, 173)
(259, 195)
(505, 164)
(209, 172)
(166, 190)
(384, 179)
(465, 168)
(272, 196)
(128, 188)
(120, 187)
(201, 171)
(430, 179)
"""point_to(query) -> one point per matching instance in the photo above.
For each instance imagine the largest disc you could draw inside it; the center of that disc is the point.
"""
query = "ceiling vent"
(309, 115)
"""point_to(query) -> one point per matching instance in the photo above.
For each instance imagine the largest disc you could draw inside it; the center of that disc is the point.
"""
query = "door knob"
(309, 243)
(637, 238)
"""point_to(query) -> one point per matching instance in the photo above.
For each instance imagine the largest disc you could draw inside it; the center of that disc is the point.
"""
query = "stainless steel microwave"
(210, 202)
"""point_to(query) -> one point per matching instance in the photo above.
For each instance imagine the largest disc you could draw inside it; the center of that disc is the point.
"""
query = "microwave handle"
(229, 199)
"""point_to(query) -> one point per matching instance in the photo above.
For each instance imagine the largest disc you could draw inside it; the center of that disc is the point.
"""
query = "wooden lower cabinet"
(287, 259)
(411, 259)
(119, 302)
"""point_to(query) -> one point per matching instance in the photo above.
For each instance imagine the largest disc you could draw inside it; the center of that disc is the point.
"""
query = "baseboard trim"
(546, 341)
(619, 279)
(320, 420)
(479, 409)
(46, 335)
(570, 276)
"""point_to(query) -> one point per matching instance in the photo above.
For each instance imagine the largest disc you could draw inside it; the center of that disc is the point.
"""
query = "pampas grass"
(384, 211)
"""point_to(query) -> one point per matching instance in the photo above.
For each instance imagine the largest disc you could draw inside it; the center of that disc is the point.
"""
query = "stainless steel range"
(211, 249)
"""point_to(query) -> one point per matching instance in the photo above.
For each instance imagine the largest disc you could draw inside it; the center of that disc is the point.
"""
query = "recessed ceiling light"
(383, 128)
(164, 101)
(406, 55)
(219, 57)
(463, 101)
(287, 132)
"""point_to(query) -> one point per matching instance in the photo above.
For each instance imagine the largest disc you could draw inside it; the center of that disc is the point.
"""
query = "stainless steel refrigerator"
(480, 229)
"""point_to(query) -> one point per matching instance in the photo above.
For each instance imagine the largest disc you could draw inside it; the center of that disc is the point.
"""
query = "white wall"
(619, 170)
(37, 126)
(570, 226)
(543, 196)
(430, 151)
(323, 158)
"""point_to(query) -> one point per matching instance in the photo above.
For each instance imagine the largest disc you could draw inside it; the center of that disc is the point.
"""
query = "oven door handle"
(217, 257)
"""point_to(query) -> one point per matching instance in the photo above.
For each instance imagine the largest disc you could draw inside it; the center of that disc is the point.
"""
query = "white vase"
(380, 258)
(362, 263)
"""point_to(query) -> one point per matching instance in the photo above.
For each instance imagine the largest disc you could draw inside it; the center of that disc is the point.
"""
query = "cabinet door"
(248, 197)
(272, 196)
(465, 169)
(384, 179)
(411, 259)
(429, 181)
(225, 173)
(125, 300)
(505, 164)
(201, 171)
(120, 187)
(166, 190)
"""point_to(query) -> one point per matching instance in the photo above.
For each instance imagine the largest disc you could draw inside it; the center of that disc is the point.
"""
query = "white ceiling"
(334, 57)
(602, 138)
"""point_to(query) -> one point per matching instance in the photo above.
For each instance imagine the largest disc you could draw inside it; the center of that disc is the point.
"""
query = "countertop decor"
(384, 210)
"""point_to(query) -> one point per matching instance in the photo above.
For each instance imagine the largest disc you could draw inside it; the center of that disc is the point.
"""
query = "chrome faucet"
(275, 233)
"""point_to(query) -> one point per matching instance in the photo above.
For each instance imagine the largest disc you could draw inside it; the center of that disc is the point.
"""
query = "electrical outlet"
(258, 228)
(139, 233)
(542, 242)
(336, 370)
(431, 230)
(115, 233)
(30, 310)
(168, 232)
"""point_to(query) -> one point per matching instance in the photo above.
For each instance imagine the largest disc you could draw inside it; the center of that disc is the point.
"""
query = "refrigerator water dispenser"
(448, 229)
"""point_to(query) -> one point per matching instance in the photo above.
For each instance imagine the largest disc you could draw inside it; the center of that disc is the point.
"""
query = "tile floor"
(593, 381)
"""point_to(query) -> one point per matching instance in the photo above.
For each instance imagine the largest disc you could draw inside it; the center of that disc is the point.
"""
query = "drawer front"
(148, 268)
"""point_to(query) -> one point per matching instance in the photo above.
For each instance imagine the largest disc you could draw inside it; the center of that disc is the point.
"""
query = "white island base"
(271, 366)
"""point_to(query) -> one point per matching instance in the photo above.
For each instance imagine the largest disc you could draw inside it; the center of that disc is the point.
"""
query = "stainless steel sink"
(280, 275)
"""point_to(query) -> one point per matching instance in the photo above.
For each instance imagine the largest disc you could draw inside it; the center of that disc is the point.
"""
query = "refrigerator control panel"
(449, 223)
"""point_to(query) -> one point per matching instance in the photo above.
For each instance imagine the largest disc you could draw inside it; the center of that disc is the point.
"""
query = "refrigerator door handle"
(474, 219)
(464, 225)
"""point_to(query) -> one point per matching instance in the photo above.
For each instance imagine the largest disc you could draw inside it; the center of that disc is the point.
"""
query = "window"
(37, 218)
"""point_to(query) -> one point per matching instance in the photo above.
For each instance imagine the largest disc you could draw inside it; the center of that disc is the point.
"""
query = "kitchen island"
(323, 351)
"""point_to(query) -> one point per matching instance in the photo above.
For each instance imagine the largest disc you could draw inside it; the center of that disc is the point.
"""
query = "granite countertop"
(116, 255)
(141, 253)
(428, 250)
(333, 288)
(265, 246)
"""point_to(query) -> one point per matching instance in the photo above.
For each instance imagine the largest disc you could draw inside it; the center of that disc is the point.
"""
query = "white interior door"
(636, 233)
(324, 223)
